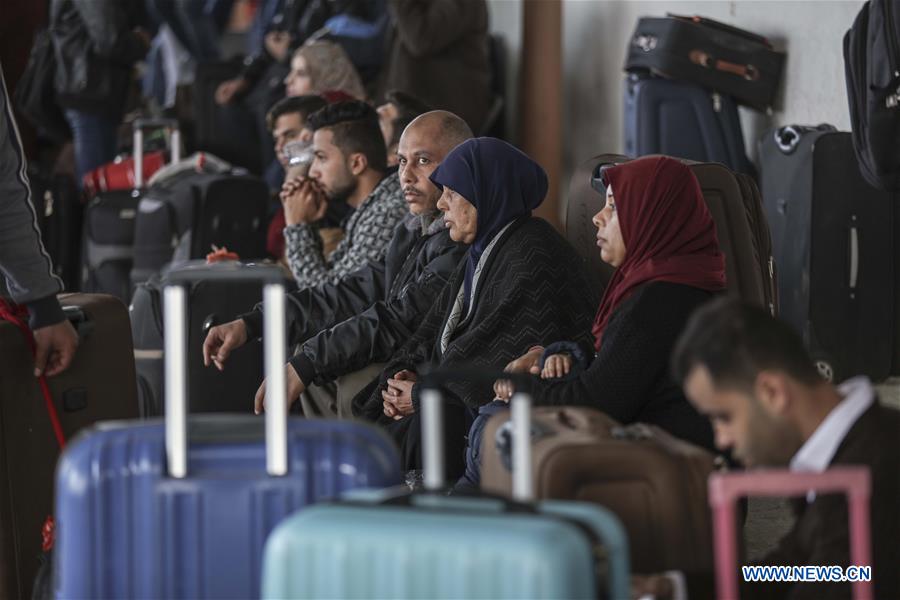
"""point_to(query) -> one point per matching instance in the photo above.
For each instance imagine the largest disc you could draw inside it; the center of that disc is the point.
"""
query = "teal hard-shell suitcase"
(396, 544)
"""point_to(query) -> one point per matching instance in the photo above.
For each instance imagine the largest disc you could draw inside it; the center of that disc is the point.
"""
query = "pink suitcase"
(726, 488)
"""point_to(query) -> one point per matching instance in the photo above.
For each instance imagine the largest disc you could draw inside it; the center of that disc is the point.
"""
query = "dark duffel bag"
(717, 56)
(872, 67)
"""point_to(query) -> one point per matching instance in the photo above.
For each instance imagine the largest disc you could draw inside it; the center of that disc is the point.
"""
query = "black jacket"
(821, 534)
(533, 290)
(369, 314)
(95, 47)
(629, 378)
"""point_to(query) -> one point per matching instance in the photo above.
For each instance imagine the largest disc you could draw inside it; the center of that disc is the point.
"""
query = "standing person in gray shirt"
(26, 272)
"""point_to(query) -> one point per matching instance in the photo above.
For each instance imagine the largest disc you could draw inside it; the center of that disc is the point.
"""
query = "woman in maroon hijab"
(658, 233)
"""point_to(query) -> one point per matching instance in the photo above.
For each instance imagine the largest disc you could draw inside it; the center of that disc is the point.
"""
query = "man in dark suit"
(751, 375)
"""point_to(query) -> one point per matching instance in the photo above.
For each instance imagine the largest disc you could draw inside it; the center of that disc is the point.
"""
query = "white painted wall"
(596, 35)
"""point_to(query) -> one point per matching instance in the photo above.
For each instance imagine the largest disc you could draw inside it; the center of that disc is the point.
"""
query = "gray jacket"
(26, 272)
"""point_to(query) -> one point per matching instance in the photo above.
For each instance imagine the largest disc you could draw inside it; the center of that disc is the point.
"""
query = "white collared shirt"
(818, 451)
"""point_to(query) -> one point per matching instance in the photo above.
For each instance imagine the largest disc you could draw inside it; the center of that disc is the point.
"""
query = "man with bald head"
(345, 330)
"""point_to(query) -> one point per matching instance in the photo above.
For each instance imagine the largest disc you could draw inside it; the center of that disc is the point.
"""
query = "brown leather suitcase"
(99, 385)
(655, 483)
(736, 207)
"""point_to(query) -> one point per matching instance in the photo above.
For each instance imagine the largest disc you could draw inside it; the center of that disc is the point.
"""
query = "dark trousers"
(94, 136)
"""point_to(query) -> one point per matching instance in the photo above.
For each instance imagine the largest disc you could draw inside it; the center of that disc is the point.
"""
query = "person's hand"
(277, 44)
(295, 387)
(556, 365)
(306, 205)
(55, 347)
(290, 186)
(398, 396)
(228, 90)
(221, 340)
(653, 586)
(527, 363)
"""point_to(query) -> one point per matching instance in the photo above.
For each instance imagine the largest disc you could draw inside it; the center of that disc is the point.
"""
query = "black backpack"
(872, 65)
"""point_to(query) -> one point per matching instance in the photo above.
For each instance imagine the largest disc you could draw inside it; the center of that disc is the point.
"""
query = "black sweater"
(629, 377)
(533, 290)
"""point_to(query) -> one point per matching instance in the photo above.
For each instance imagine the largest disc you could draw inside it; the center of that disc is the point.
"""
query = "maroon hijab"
(668, 232)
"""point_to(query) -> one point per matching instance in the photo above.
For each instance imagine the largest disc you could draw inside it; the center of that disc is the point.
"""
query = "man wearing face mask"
(347, 328)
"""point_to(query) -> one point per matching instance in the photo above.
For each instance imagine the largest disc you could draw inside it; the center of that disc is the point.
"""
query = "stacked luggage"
(687, 76)
(109, 224)
(131, 234)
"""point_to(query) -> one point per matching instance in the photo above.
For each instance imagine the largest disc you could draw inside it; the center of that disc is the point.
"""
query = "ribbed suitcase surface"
(447, 547)
(127, 530)
(396, 544)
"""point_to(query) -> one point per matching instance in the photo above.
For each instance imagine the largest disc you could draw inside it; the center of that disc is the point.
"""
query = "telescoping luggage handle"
(274, 340)
(139, 126)
(726, 488)
(433, 433)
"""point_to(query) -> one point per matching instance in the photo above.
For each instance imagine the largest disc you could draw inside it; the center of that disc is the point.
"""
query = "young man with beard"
(750, 374)
(347, 329)
(350, 165)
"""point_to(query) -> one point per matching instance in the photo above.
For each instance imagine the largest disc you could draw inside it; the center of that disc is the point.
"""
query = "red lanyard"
(17, 315)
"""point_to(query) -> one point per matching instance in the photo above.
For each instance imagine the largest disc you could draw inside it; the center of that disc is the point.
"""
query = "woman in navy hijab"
(520, 283)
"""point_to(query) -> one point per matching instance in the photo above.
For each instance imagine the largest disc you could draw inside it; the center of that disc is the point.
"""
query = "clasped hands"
(303, 200)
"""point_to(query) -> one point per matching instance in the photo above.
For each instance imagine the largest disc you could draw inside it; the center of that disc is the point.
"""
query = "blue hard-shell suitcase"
(142, 515)
(682, 119)
(430, 545)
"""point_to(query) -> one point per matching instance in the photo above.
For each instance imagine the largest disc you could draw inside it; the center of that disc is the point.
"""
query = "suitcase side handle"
(175, 344)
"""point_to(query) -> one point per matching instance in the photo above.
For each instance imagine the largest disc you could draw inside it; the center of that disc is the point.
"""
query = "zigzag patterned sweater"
(533, 289)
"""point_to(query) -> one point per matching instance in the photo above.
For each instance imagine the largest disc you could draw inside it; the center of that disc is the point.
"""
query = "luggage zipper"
(772, 288)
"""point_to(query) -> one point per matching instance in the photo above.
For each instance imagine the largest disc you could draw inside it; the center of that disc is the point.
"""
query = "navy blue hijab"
(500, 181)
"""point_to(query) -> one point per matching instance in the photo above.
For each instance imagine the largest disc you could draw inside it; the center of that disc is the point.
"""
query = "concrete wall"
(595, 38)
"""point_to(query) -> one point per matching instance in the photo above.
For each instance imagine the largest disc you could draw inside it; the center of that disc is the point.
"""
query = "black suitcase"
(60, 214)
(183, 221)
(715, 55)
(109, 226)
(682, 119)
(209, 303)
(99, 385)
(833, 238)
